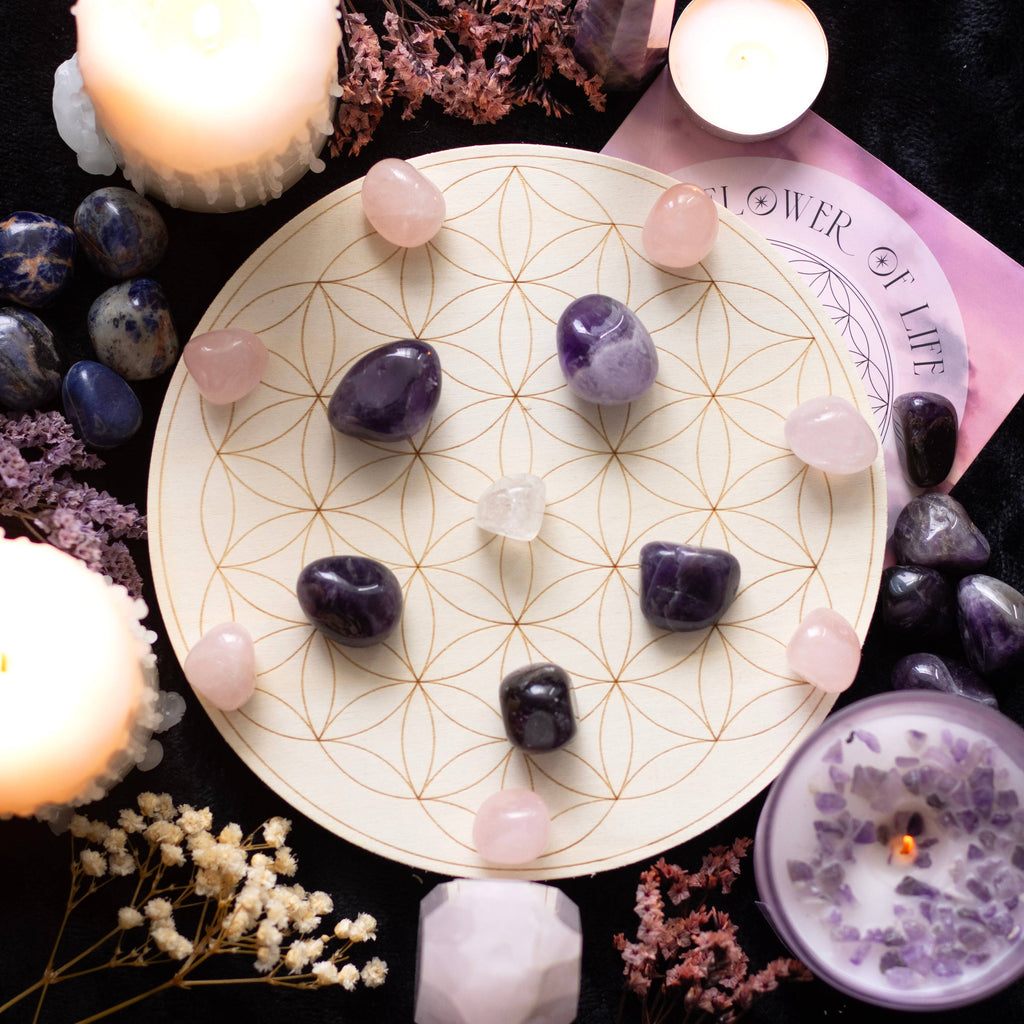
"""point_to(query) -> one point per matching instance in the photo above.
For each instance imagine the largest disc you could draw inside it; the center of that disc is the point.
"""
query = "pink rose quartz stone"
(829, 434)
(222, 666)
(226, 365)
(511, 827)
(825, 650)
(401, 204)
(498, 951)
(682, 227)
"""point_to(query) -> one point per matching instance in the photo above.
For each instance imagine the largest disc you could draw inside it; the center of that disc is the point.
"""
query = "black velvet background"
(934, 89)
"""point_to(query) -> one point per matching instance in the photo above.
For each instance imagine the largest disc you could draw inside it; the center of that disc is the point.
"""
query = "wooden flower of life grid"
(395, 747)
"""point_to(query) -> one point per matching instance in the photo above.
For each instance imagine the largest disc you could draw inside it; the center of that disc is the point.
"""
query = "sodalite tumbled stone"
(121, 233)
(355, 601)
(536, 707)
(991, 615)
(29, 364)
(606, 354)
(388, 394)
(917, 603)
(935, 530)
(926, 432)
(131, 329)
(683, 588)
(101, 407)
(924, 671)
(36, 256)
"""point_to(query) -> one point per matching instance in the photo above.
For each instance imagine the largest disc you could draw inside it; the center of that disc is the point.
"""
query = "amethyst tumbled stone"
(917, 602)
(684, 588)
(935, 530)
(606, 354)
(924, 671)
(388, 394)
(991, 617)
(351, 599)
(536, 707)
(926, 431)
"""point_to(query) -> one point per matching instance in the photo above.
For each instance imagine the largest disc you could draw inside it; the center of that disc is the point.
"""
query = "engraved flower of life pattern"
(396, 746)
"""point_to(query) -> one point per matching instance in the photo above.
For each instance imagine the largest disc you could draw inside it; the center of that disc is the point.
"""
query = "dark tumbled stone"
(29, 364)
(926, 432)
(536, 707)
(36, 256)
(685, 588)
(991, 615)
(917, 603)
(925, 671)
(388, 394)
(355, 601)
(121, 233)
(934, 530)
(131, 329)
(100, 406)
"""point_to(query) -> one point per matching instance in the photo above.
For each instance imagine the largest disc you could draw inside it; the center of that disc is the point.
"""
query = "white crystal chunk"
(513, 507)
(497, 951)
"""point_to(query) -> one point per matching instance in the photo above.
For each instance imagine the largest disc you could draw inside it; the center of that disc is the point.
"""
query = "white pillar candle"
(211, 104)
(77, 694)
(748, 69)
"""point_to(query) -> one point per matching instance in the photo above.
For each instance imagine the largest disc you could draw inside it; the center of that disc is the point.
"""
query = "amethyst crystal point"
(991, 617)
(353, 600)
(935, 530)
(685, 588)
(536, 707)
(389, 393)
(931, 672)
(606, 354)
(917, 603)
(926, 431)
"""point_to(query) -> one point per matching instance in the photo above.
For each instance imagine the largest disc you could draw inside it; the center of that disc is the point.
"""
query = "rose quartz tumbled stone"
(825, 650)
(682, 226)
(511, 827)
(222, 666)
(404, 206)
(829, 434)
(226, 365)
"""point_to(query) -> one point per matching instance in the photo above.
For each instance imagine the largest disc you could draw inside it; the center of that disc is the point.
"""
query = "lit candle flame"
(904, 850)
(3, 662)
(207, 25)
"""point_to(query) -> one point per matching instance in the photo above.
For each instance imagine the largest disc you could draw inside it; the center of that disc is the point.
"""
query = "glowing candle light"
(77, 690)
(211, 104)
(748, 69)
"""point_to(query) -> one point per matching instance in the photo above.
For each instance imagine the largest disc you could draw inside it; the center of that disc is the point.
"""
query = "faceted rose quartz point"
(401, 204)
(825, 650)
(226, 365)
(828, 433)
(497, 951)
(222, 666)
(682, 226)
(511, 827)
(513, 507)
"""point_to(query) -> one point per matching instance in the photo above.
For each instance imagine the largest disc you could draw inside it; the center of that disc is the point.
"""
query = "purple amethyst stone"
(607, 355)
(926, 432)
(351, 599)
(935, 530)
(917, 603)
(991, 615)
(684, 588)
(536, 707)
(925, 671)
(388, 394)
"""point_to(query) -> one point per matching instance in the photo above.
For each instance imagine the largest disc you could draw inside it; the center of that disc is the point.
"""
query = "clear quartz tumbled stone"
(497, 951)
(513, 507)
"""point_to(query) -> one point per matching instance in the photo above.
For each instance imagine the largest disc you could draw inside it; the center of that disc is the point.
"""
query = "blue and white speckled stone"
(121, 233)
(29, 364)
(131, 330)
(36, 256)
(101, 407)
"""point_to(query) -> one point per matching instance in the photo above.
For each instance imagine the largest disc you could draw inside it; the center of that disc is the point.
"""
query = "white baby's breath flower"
(79, 826)
(115, 841)
(267, 958)
(94, 863)
(157, 806)
(342, 928)
(326, 973)
(129, 917)
(163, 832)
(192, 822)
(348, 977)
(171, 855)
(268, 935)
(285, 862)
(159, 909)
(363, 928)
(168, 941)
(131, 821)
(374, 973)
(322, 903)
(231, 835)
(122, 864)
(276, 831)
